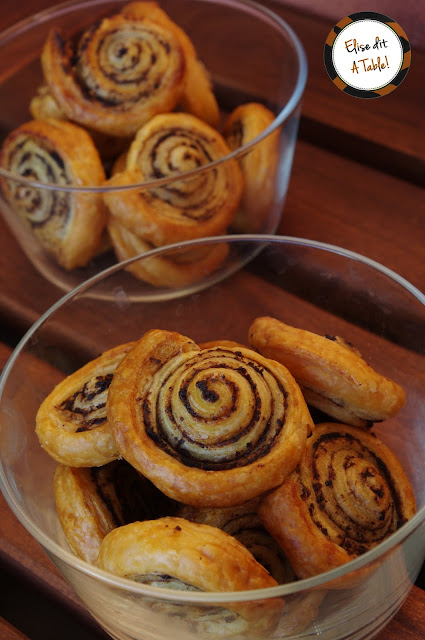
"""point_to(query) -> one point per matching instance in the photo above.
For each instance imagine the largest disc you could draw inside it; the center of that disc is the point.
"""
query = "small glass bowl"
(250, 53)
(311, 285)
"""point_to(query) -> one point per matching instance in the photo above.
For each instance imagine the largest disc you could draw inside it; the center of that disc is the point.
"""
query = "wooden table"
(358, 182)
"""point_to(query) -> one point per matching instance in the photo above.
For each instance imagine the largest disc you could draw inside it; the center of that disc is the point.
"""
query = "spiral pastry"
(90, 502)
(243, 523)
(120, 73)
(198, 97)
(210, 428)
(190, 207)
(177, 554)
(259, 165)
(331, 372)
(348, 494)
(68, 226)
(71, 423)
(176, 269)
(222, 342)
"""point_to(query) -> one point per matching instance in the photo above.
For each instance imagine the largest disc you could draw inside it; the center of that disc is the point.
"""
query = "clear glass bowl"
(311, 285)
(251, 55)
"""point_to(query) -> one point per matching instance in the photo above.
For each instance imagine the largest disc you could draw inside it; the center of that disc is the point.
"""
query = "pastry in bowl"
(177, 554)
(72, 422)
(209, 427)
(68, 225)
(348, 494)
(333, 375)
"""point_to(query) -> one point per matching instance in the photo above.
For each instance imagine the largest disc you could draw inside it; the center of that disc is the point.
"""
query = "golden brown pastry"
(71, 423)
(330, 371)
(43, 105)
(243, 523)
(120, 73)
(177, 554)
(177, 269)
(68, 225)
(258, 210)
(221, 343)
(348, 494)
(198, 97)
(191, 207)
(92, 501)
(213, 427)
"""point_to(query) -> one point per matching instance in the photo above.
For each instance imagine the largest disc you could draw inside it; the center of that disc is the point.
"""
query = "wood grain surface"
(357, 182)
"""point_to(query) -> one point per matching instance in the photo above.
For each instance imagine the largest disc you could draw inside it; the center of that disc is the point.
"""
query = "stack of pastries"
(199, 466)
(128, 102)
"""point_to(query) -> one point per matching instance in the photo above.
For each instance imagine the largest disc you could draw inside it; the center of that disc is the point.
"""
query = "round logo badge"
(367, 55)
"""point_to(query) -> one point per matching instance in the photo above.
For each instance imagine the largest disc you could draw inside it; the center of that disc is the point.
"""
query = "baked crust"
(175, 553)
(174, 270)
(71, 423)
(259, 165)
(191, 207)
(348, 494)
(214, 427)
(68, 225)
(91, 502)
(198, 97)
(330, 371)
(243, 523)
(110, 93)
(210, 344)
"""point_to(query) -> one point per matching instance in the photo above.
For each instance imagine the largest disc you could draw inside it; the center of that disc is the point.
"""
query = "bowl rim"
(316, 582)
(251, 6)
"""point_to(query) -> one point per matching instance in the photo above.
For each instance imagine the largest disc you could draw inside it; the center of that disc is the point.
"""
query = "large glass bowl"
(251, 54)
(311, 285)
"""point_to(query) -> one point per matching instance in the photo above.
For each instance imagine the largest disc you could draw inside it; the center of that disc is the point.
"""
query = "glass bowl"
(310, 285)
(250, 54)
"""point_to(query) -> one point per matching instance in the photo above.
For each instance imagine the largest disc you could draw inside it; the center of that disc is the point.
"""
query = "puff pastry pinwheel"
(187, 207)
(330, 371)
(69, 226)
(198, 97)
(71, 423)
(210, 428)
(177, 554)
(90, 502)
(243, 523)
(348, 494)
(121, 72)
(259, 165)
(176, 269)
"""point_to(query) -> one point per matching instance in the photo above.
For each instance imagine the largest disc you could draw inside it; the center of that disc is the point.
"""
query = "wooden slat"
(336, 200)
(387, 133)
(409, 623)
(9, 632)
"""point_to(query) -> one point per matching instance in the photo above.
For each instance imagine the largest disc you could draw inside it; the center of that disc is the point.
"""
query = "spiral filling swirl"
(121, 63)
(178, 151)
(86, 408)
(33, 159)
(210, 617)
(215, 409)
(351, 495)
